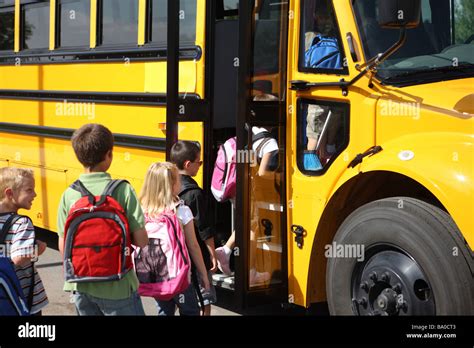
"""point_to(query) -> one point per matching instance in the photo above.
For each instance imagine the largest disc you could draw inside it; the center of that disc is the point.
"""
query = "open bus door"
(261, 267)
(244, 88)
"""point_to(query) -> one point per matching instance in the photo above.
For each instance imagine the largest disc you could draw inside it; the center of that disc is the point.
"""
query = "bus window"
(442, 39)
(158, 20)
(320, 45)
(269, 43)
(119, 24)
(323, 133)
(231, 5)
(74, 23)
(231, 9)
(7, 25)
(35, 25)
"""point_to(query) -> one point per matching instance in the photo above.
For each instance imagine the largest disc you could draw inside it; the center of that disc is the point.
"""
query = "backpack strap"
(260, 146)
(109, 190)
(187, 186)
(261, 135)
(266, 136)
(112, 186)
(79, 187)
(188, 189)
(176, 237)
(6, 227)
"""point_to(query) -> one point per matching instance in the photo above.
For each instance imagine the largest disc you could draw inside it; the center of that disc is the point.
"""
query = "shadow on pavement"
(225, 299)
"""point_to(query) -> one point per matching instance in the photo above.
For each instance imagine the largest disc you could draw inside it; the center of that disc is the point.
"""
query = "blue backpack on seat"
(323, 53)
(12, 300)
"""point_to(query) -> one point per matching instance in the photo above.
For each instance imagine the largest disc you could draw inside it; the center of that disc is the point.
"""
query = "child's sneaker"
(258, 278)
(223, 261)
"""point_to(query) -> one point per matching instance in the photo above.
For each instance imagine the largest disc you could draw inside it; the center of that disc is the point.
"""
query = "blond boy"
(17, 191)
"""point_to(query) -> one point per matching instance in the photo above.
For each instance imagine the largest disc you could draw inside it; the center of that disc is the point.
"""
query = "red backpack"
(97, 245)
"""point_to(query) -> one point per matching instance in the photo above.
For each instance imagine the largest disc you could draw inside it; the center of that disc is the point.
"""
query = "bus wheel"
(399, 256)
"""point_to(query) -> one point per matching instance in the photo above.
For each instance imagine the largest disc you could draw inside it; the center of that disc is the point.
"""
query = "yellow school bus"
(367, 107)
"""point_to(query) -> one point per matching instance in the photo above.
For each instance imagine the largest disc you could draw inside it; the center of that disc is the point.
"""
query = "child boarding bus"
(368, 205)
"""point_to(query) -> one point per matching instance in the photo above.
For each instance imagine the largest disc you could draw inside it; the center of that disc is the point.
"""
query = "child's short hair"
(11, 177)
(91, 143)
(157, 192)
(183, 151)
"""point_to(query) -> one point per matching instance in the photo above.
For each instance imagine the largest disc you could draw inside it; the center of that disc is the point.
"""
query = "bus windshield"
(441, 47)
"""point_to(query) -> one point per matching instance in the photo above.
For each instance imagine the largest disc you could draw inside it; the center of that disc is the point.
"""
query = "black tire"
(397, 232)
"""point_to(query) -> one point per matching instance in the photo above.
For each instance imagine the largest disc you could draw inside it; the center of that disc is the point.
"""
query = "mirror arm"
(381, 57)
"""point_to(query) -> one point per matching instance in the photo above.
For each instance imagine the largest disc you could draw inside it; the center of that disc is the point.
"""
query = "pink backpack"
(224, 176)
(163, 266)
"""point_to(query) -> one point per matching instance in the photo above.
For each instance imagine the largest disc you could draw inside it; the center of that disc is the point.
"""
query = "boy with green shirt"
(93, 145)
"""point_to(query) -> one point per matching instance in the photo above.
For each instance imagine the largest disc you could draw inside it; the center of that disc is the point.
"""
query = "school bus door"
(261, 209)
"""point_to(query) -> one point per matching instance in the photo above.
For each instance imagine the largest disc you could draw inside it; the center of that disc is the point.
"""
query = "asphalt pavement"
(50, 269)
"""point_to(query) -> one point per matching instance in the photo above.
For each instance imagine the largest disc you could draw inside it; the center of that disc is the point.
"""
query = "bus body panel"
(56, 167)
(446, 183)
(148, 77)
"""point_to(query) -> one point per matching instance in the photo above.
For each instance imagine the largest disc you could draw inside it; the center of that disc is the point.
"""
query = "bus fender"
(442, 162)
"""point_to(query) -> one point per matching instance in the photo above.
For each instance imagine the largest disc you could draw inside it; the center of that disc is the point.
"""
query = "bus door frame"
(261, 113)
(189, 110)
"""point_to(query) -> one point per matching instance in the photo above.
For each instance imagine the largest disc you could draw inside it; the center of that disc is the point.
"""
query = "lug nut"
(403, 305)
(397, 288)
(373, 276)
(364, 286)
(362, 302)
(386, 277)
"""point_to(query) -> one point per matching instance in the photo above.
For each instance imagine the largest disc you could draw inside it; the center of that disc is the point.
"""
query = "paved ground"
(50, 268)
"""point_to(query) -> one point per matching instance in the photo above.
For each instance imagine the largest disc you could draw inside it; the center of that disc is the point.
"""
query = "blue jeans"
(90, 305)
(187, 303)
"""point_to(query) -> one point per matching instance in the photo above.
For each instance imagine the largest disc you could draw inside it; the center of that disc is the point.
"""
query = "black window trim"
(32, 4)
(9, 8)
(300, 132)
(301, 68)
(57, 34)
(91, 55)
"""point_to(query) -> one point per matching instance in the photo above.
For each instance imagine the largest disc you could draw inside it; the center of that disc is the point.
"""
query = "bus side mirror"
(396, 14)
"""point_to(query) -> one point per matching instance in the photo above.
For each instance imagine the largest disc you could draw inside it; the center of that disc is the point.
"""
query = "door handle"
(299, 85)
(300, 233)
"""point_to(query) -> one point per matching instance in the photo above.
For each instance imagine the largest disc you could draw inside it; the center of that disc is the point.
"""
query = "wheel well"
(360, 190)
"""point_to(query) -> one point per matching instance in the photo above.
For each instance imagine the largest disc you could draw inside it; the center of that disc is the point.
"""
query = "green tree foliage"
(464, 19)
(7, 29)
